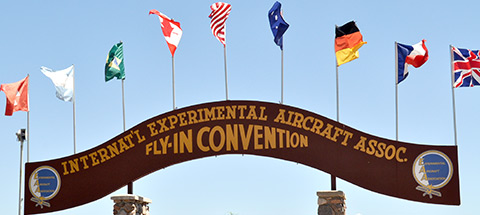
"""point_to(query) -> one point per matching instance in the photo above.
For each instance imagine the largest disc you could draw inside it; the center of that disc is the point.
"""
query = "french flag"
(415, 55)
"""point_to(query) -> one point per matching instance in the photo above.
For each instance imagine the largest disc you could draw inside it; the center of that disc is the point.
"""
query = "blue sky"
(57, 34)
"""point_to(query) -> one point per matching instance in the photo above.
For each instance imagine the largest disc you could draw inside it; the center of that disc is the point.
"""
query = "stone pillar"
(331, 203)
(129, 204)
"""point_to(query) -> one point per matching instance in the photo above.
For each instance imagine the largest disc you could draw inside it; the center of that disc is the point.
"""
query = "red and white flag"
(17, 96)
(171, 30)
(219, 15)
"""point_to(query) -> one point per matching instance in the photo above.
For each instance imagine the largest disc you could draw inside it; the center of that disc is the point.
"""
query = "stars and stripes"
(466, 67)
(218, 16)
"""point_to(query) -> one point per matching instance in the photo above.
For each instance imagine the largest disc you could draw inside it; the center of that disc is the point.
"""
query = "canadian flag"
(171, 30)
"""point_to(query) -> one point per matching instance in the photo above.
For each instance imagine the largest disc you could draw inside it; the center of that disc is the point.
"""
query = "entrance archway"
(245, 127)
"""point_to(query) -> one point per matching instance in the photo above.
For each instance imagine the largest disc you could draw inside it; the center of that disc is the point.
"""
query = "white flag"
(63, 81)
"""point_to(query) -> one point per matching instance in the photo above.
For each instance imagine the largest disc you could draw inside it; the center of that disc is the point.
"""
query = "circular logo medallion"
(44, 184)
(432, 170)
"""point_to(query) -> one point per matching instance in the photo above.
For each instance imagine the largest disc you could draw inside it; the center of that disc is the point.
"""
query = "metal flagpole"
(396, 91)
(20, 180)
(173, 79)
(338, 108)
(225, 61)
(281, 101)
(28, 122)
(73, 102)
(130, 184)
(453, 95)
(28, 135)
(123, 104)
(20, 137)
(333, 181)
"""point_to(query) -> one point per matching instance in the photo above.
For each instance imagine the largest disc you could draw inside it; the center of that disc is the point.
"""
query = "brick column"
(129, 204)
(331, 203)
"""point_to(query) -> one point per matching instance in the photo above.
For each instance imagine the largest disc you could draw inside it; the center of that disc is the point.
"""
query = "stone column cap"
(331, 194)
(130, 197)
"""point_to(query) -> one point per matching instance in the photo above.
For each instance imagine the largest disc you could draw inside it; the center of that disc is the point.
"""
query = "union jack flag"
(466, 67)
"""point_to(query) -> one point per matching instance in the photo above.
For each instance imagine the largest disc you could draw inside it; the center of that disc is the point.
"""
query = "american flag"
(219, 15)
(466, 67)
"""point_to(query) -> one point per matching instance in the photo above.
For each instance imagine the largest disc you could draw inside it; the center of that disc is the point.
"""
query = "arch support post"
(331, 202)
(129, 204)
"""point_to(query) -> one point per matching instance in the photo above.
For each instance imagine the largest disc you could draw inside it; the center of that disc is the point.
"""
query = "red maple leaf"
(167, 28)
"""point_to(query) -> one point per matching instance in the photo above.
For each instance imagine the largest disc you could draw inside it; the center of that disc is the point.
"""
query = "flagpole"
(28, 121)
(225, 62)
(453, 96)
(73, 103)
(173, 81)
(20, 180)
(396, 91)
(123, 104)
(28, 135)
(130, 184)
(333, 182)
(338, 108)
(281, 101)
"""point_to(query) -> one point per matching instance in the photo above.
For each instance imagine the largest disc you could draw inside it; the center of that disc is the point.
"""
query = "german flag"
(348, 40)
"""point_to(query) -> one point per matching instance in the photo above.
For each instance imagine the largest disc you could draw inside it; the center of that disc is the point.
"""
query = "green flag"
(114, 65)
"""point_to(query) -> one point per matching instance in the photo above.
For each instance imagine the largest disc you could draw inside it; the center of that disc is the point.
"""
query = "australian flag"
(277, 23)
(466, 67)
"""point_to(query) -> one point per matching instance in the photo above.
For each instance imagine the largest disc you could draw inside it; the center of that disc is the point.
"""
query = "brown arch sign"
(422, 173)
